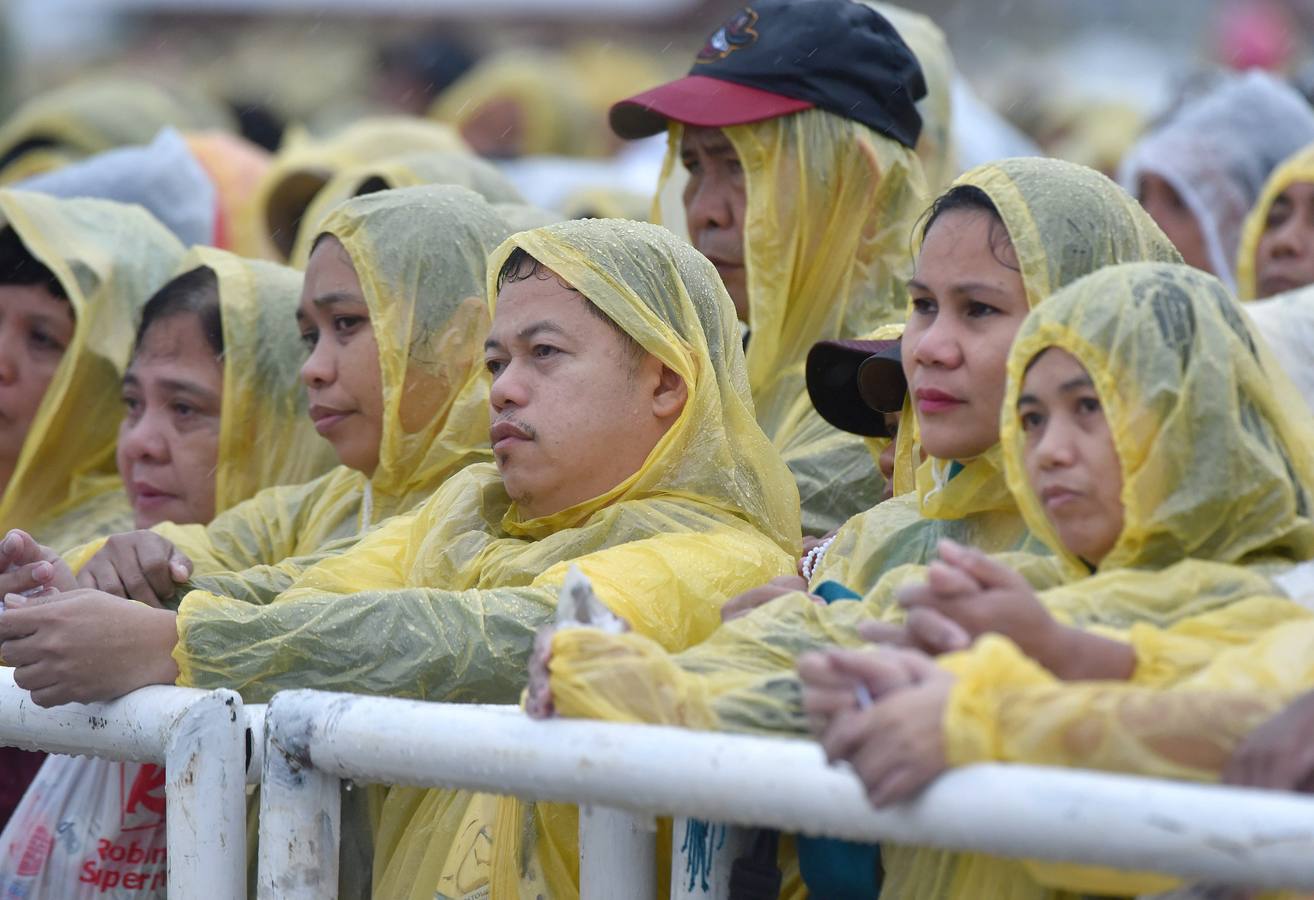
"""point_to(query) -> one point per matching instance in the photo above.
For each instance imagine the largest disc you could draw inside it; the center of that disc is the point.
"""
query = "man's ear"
(671, 394)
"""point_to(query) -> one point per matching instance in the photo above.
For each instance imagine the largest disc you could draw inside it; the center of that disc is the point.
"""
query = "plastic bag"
(87, 828)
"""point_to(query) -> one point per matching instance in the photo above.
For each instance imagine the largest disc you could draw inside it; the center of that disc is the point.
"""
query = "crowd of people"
(936, 466)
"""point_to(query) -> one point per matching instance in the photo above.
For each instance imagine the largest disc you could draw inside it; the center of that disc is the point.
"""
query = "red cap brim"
(698, 100)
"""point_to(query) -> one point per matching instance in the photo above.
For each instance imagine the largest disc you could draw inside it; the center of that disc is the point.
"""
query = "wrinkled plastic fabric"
(1286, 323)
(937, 144)
(454, 593)
(95, 115)
(1064, 221)
(1296, 169)
(110, 259)
(1217, 152)
(821, 189)
(266, 437)
(236, 167)
(429, 318)
(305, 164)
(555, 114)
(407, 170)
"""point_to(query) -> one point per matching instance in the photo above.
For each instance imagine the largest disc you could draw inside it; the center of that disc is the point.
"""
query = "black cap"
(836, 55)
(854, 384)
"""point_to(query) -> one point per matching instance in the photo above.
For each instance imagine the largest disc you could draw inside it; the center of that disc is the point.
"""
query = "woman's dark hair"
(970, 198)
(195, 292)
(19, 267)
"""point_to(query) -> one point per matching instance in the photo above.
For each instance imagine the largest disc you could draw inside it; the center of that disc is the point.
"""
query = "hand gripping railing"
(200, 739)
(623, 775)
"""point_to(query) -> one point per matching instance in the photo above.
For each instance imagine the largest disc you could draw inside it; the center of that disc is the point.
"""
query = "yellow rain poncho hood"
(408, 170)
(265, 436)
(1064, 221)
(1298, 168)
(456, 590)
(305, 164)
(110, 259)
(1216, 447)
(830, 207)
(91, 116)
(555, 117)
(420, 255)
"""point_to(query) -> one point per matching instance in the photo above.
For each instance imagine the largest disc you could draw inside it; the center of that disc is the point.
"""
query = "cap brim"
(833, 369)
(698, 100)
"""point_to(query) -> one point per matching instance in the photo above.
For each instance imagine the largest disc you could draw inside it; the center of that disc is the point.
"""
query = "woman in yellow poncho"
(406, 170)
(91, 116)
(1277, 239)
(305, 164)
(418, 256)
(1166, 385)
(106, 260)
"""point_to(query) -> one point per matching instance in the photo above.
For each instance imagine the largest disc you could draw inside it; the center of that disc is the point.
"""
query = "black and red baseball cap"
(853, 384)
(777, 57)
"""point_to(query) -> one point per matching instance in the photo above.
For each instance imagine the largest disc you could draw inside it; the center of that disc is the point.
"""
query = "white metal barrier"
(624, 775)
(199, 736)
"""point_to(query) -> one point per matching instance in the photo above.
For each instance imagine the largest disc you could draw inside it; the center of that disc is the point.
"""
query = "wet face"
(1161, 200)
(35, 330)
(715, 200)
(1284, 259)
(968, 301)
(1071, 461)
(342, 372)
(496, 129)
(168, 446)
(576, 409)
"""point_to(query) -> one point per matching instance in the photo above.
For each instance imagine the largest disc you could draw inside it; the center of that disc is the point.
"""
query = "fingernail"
(43, 571)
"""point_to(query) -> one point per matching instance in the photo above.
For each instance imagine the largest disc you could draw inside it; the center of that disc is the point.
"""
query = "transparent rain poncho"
(1217, 469)
(265, 436)
(1297, 168)
(98, 114)
(1064, 222)
(454, 593)
(1218, 150)
(1216, 500)
(830, 207)
(426, 300)
(305, 164)
(407, 170)
(109, 258)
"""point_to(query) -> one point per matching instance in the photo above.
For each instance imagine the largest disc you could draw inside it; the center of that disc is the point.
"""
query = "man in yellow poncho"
(625, 444)
(796, 126)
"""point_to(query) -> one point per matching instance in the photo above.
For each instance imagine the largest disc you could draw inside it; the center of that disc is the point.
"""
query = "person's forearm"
(1079, 655)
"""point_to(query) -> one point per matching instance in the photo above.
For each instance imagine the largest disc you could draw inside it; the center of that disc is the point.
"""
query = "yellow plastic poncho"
(1064, 222)
(305, 164)
(91, 116)
(109, 258)
(1297, 168)
(830, 207)
(556, 118)
(1216, 467)
(265, 436)
(456, 591)
(426, 300)
(937, 145)
(407, 170)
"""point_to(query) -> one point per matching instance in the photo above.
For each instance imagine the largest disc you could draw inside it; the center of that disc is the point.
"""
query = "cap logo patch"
(738, 32)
